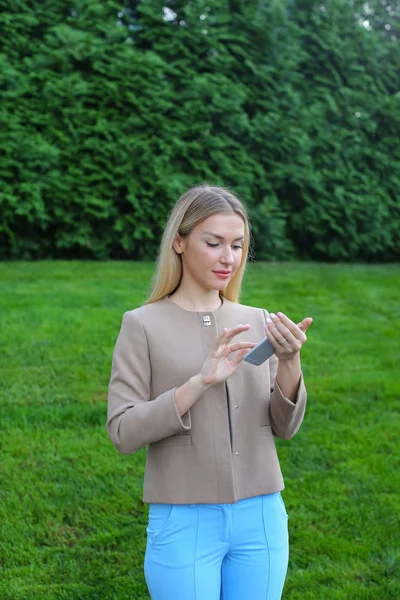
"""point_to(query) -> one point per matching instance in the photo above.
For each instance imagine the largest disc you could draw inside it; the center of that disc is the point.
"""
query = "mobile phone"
(260, 353)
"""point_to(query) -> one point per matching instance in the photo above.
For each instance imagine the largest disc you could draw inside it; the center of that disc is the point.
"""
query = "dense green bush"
(110, 110)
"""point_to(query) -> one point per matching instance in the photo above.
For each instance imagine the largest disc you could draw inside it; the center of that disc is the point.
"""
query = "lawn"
(72, 520)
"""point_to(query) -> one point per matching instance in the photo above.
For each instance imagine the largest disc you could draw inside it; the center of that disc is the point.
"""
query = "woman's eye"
(235, 246)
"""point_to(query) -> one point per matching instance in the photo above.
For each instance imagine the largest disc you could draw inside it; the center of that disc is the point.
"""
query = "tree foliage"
(110, 110)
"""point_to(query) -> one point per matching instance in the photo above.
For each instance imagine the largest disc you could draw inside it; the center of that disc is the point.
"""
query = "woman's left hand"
(286, 337)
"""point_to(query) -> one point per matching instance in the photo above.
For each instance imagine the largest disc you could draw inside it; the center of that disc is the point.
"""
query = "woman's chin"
(217, 284)
(218, 287)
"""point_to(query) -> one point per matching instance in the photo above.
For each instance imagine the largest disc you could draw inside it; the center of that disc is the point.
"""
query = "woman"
(217, 523)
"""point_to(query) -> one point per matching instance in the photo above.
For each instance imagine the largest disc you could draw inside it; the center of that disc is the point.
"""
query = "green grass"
(72, 521)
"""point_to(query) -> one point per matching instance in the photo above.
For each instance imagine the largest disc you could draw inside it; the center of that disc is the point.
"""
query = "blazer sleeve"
(285, 416)
(133, 418)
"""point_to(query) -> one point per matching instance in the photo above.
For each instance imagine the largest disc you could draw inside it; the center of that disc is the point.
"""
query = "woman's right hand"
(218, 366)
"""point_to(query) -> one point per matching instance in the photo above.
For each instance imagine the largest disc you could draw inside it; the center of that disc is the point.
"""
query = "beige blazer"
(222, 449)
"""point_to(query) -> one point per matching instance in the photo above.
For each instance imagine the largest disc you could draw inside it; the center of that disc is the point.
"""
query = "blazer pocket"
(179, 439)
(266, 431)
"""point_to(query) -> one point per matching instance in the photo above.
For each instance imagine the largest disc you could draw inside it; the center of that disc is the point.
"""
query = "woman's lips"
(222, 274)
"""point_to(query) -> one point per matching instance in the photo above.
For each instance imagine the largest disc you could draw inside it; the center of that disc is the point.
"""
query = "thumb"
(305, 324)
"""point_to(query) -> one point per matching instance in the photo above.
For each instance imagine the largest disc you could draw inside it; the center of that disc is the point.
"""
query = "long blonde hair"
(196, 205)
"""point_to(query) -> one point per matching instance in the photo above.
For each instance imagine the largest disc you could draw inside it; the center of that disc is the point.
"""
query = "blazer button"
(236, 405)
(236, 453)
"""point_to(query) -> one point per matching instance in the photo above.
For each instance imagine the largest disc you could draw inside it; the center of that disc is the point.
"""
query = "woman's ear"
(178, 244)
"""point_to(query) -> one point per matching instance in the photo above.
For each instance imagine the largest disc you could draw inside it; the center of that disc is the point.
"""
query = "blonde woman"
(217, 526)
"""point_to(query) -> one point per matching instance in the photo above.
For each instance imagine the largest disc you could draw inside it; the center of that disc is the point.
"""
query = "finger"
(272, 339)
(220, 339)
(280, 342)
(296, 331)
(239, 357)
(231, 333)
(305, 324)
(242, 345)
(226, 335)
(229, 348)
(280, 331)
(279, 336)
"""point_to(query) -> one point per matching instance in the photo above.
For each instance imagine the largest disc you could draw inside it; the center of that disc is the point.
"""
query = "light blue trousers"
(217, 551)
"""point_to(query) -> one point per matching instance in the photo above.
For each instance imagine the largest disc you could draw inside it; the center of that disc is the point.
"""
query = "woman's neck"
(197, 300)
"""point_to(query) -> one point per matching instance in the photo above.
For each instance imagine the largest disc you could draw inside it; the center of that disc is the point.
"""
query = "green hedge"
(109, 111)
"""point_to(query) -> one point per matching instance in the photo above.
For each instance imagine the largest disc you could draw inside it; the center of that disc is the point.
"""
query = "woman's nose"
(227, 256)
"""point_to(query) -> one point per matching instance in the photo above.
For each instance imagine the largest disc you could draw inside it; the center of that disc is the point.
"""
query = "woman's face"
(212, 252)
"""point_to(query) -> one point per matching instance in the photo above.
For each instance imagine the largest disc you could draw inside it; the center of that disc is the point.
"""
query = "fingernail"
(280, 315)
(266, 328)
(269, 321)
(272, 315)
